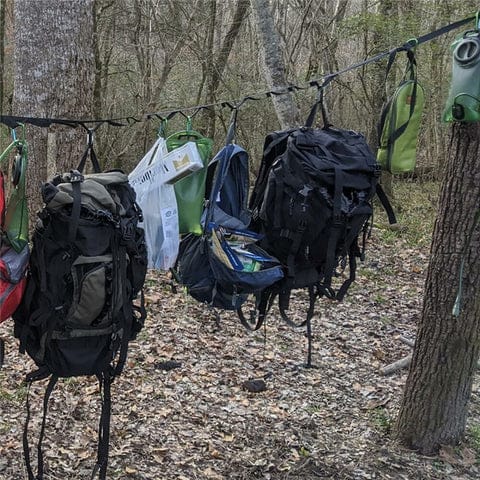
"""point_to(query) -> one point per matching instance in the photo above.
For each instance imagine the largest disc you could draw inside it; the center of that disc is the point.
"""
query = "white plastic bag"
(159, 206)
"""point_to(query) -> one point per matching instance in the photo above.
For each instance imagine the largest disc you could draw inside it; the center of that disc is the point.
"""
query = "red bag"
(13, 266)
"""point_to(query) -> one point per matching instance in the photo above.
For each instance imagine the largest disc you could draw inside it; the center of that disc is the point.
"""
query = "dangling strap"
(105, 381)
(382, 196)
(353, 268)
(26, 448)
(283, 304)
(312, 295)
(265, 302)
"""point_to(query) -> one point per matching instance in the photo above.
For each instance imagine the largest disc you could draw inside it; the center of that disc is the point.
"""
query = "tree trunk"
(274, 65)
(2, 52)
(438, 388)
(54, 77)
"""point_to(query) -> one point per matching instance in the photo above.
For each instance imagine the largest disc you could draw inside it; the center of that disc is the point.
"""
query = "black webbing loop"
(283, 305)
(264, 303)
(353, 268)
(319, 103)
(89, 152)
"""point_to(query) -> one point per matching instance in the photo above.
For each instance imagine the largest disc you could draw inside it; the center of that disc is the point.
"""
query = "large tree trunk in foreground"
(273, 64)
(438, 388)
(53, 77)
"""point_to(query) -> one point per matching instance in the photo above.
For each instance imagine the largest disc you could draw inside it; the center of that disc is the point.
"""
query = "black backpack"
(312, 201)
(224, 265)
(88, 264)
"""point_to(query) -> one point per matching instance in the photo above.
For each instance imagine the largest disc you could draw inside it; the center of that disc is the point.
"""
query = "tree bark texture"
(53, 77)
(2, 52)
(273, 64)
(439, 383)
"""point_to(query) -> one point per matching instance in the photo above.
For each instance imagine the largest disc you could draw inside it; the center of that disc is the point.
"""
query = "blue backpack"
(224, 265)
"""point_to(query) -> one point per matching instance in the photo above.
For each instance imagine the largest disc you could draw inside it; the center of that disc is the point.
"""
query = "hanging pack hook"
(230, 138)
(188, 127)
(162, 129)
(319, 102)
(89, 151)
(90, 135)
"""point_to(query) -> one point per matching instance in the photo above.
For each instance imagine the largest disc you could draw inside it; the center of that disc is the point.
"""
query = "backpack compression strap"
(76, 178)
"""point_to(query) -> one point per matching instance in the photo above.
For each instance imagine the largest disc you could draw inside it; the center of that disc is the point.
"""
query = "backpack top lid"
(94, 195)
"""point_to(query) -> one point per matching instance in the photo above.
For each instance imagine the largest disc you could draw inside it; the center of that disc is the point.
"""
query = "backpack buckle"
(377, 170)
(305, 191)
(76, 176)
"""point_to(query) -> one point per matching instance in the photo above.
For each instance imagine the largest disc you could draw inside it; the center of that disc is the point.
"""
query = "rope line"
(319, 83)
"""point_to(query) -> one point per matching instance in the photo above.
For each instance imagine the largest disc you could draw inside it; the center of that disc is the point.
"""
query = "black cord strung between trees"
(15, 121)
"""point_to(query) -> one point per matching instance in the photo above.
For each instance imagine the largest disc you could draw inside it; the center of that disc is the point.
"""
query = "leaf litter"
(205, 400)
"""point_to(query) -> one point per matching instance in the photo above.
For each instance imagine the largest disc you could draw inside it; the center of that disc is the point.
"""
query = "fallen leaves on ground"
(182, 411)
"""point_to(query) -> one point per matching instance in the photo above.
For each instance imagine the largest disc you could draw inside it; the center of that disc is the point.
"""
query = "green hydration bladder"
(16, 214)
(190, 191)
(463, 103)
(400, 122)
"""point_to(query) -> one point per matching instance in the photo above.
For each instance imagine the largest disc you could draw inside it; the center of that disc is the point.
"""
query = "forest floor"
(197, 421)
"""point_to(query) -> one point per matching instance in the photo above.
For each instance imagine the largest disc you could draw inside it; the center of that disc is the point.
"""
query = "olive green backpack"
(400, 122)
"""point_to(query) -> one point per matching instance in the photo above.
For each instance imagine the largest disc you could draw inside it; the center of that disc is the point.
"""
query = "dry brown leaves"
(199, 422)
